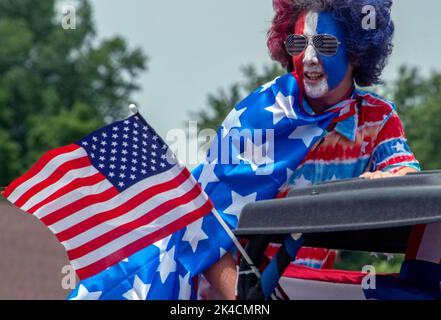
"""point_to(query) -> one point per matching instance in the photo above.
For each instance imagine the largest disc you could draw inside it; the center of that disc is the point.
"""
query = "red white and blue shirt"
(372, 139)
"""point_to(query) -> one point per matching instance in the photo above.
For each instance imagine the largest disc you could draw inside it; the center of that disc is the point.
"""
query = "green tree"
(221, 103)
(418, 101)
(57, 84)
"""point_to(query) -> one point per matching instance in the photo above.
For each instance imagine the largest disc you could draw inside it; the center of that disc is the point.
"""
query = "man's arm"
(392, 155)
(385, 174)
(222, 276)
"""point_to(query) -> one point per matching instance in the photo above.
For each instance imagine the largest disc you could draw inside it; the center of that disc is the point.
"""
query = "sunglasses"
(325, 44)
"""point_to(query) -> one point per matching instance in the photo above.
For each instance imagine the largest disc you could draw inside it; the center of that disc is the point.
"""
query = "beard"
(316, 90)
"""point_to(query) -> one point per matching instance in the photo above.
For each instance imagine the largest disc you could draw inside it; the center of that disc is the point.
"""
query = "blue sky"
(197, 46)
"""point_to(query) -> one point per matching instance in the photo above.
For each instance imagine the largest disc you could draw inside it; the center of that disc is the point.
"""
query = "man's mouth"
(314, 76)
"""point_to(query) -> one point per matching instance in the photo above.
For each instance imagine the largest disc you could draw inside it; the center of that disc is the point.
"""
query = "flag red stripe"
(123, 208)
(144, 242)
(75, 184)
(53, 178)
(79, 205)
(44, 160)
(130, 226)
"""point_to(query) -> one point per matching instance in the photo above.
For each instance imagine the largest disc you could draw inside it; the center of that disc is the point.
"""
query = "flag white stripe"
(138, 233)
(44, 173)
(130, 216)
(115, 202)
(71, 197)
(65, 180)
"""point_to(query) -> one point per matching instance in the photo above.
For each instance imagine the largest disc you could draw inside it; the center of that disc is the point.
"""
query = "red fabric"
(327, 275)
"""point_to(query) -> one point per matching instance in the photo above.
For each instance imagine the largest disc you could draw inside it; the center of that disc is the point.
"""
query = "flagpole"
(237, 243)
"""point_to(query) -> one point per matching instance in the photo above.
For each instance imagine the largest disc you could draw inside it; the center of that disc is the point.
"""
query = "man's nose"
(310, 57)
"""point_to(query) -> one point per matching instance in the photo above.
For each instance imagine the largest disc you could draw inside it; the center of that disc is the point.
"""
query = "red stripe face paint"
(298, 59)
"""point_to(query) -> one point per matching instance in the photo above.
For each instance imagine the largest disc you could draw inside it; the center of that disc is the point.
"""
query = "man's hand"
(385, 174)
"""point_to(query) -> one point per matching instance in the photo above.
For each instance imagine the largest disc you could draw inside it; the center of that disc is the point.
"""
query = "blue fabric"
(426, 273)
(418, 280)
(271, 275)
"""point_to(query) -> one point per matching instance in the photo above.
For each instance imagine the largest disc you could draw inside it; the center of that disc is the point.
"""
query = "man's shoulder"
(374, 107)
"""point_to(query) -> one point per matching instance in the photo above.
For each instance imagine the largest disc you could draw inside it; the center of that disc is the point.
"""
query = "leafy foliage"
(419, 103)
(56, 84)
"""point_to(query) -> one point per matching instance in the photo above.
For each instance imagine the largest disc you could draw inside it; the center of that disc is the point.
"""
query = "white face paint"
(311, 64)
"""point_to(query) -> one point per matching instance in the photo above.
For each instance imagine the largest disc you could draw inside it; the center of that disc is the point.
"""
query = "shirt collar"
(347, 128)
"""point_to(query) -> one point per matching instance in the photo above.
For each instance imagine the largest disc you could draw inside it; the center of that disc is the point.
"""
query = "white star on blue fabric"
(139, 291)
(268, 85)
(207, 175)
(399, 147)
(238, 202)
(232, 121)
(167, 264)
(306, 133)
(85, 294)
(282, 108)
(184, 287)
(194, 233)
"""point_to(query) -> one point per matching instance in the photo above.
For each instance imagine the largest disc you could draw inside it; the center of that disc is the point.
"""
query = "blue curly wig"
(367, 50)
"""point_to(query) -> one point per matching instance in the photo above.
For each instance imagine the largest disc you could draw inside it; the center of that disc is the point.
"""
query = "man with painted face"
(326, 44)
(329, 50)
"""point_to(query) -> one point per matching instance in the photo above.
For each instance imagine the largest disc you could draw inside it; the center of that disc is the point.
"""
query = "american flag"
(110, 195)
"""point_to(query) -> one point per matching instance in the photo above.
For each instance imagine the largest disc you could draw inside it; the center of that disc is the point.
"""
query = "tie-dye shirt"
(370, 140)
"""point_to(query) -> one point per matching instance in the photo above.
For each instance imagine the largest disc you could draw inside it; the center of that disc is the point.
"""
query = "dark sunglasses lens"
(326, 44)
(295, 44)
